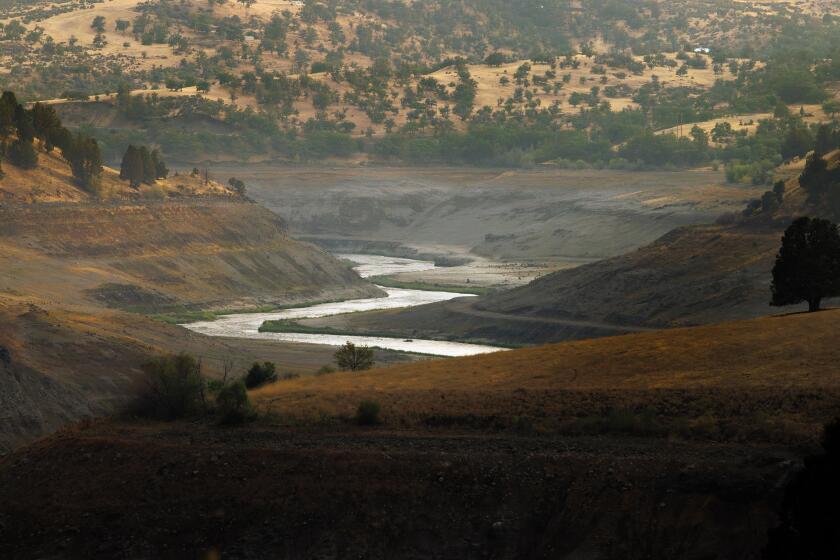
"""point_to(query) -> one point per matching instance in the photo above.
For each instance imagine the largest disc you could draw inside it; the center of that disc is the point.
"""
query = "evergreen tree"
(85, 160)
(8, 104)
(131, 168)
(45, 123)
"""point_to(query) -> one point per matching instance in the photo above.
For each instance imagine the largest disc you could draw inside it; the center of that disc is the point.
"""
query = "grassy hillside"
(768, 378)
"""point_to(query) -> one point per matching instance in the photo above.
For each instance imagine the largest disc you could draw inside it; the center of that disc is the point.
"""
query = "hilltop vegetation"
(486, 82)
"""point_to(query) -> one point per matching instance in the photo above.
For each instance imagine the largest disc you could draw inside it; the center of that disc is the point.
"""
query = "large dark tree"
(808, 264)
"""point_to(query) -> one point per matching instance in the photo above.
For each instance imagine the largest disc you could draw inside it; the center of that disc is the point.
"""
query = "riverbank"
(251, 325)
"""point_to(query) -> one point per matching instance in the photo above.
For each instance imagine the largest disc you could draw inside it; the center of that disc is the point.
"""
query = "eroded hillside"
(74, 263)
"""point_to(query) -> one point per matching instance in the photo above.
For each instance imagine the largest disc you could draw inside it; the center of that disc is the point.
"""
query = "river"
(247, 325)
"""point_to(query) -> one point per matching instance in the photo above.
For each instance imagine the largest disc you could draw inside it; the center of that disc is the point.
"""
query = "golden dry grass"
(52, 181)
(768, 360)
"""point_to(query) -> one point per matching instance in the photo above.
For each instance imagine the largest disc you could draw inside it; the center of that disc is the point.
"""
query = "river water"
(247, 325)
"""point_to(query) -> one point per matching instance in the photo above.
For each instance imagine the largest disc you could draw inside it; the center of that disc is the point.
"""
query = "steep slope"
(69, 260)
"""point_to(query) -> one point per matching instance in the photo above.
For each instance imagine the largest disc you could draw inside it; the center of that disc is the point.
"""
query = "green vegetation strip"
(391, 282)
(182, 315)
(293, 327)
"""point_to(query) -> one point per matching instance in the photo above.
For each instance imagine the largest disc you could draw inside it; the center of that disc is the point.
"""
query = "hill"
(685, 379)
(540, 82)
(692, 275)
(83, 267)
(603, 447)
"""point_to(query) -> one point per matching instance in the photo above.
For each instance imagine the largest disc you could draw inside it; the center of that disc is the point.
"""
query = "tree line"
(141, 165)
(21, 127)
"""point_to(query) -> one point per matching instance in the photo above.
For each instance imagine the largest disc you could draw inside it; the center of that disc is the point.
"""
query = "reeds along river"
(247, 325)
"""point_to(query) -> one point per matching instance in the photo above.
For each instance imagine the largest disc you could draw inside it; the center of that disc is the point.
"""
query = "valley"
(401, 280)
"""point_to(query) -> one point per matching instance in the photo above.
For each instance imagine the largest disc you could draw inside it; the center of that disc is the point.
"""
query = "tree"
(808, 264)
(495, 59)
(354, 358)
(161, 171)
(233, 404)
(175, 386)
(98, 24)
(797, 142)
(131, 168)
(149, 167)
(22, 154)
(85, 160)
(824, 142)
(237, 185)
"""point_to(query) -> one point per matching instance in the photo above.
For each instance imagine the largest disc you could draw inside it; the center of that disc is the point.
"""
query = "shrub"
(368, 413)
(176, 387)
(325, 370)
(354, 358)
(260, 374)
(233, 404)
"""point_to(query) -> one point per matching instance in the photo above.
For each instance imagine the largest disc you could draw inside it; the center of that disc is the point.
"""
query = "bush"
(354, 358)
(368, 413)
(176, 387)
(233, 404)
(260, 374)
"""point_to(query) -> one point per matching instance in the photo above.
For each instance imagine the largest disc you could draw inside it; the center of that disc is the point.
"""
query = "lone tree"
(354, 358)
(808, 264)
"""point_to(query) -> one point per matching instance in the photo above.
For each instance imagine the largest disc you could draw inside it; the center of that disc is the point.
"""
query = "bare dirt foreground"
(187, 491)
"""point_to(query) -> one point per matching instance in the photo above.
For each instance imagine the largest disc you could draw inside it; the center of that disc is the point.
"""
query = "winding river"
(247, 325)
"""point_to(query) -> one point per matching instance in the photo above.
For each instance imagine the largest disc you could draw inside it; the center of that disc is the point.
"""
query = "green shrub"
(354, 358)
(233, 404)
(260, 374)
(176, 387)
(368, 413)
